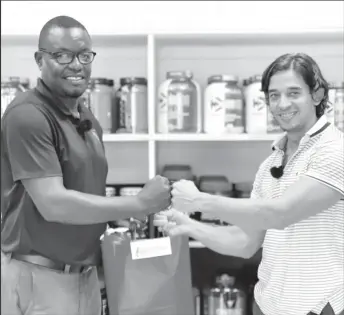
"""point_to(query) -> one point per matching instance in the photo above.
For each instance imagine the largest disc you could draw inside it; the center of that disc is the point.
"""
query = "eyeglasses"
(66, 57)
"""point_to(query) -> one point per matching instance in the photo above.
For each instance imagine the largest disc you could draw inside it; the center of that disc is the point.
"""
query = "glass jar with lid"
(179, 107)
(255, 106)
(223, 105)
(10, 88)
(101, 103)
(339, 106)
(132, 105)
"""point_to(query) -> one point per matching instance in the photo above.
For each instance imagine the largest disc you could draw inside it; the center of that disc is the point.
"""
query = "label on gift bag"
(150, 248)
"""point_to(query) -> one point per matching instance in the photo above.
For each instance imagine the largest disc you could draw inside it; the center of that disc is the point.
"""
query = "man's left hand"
(184, 196)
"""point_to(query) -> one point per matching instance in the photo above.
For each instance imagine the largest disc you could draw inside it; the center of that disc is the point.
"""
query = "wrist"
(191, 225)
(201, 201)
(139, 205)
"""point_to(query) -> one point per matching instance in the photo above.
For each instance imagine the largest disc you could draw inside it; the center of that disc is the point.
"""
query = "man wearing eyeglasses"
(53, 181)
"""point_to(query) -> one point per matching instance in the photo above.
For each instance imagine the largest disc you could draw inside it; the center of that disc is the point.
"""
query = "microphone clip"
(84, 126)
(277, 171)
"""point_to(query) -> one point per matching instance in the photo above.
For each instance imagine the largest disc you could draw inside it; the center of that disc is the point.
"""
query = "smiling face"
(68, 80)
(291, 102)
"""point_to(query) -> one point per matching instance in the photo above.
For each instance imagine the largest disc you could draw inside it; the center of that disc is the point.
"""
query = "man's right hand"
(155, 196)
(173, 222)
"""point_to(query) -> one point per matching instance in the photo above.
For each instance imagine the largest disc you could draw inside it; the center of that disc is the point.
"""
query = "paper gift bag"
(142, 278)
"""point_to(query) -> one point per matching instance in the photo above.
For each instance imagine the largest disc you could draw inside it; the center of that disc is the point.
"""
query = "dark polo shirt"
(39, 139)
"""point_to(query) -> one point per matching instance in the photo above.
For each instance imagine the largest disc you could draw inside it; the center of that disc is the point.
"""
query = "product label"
(178, 111)
(258, 103)
(272, 124)
(124, 108)
(339, 112)
(214, 121)
(329, 112)
(162, 103)
(234, 121)
(149, 248)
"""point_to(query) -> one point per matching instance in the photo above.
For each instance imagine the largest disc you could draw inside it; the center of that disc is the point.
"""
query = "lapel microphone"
(277, 171)
(83, 124)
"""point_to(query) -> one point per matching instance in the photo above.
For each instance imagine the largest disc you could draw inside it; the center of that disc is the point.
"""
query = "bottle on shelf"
(197, 300)
(179, 105)
(101, 103)
(223, 105)
(255, 106)
(131, 103)
(339, 106)
(215, 185)
(225, 298)
(10, 88)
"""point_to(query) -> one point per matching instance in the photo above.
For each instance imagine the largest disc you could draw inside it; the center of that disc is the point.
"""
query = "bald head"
(62, 21)
(64, 38)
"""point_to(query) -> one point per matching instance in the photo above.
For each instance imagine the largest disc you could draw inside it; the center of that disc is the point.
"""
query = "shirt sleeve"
(327, 164)
(28, 142)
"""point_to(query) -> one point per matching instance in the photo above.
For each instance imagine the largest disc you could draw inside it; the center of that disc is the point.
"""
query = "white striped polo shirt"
(302, 267)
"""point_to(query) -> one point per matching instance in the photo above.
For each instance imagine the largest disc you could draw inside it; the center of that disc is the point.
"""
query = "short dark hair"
(59, 21)
(307, 68)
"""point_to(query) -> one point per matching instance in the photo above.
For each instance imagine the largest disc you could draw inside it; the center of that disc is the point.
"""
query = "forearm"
(256, 213)
(73, 207)
(226, 240)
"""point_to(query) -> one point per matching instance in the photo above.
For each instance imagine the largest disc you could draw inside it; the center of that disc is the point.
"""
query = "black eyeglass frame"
(55, 56)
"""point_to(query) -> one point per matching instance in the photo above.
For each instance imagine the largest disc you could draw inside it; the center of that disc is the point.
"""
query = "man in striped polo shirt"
(296, 209)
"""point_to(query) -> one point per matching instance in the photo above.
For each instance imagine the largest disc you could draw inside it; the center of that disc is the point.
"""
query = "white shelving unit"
(196, 244)
(136, 158)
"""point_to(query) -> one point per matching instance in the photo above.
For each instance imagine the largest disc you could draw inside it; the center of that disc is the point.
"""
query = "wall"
(123, 17)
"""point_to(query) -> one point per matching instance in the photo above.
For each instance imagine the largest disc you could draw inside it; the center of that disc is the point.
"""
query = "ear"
(318, 96)
(39, 59)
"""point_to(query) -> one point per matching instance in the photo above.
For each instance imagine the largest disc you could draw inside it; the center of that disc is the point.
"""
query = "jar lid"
(14, 79)
(25, 81)
(244, 186)
(110, 82)
(140, 81)
(175, 172)
(101, 81)
(336, 85)
(130, 191)
(255, 78)
(223, 78)
(214, 183)
(245, 82)
(133, 80)
(179, 74)
(178, 167)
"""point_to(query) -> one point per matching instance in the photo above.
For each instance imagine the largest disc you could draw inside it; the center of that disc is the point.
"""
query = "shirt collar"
(54, 100)
(280, 142)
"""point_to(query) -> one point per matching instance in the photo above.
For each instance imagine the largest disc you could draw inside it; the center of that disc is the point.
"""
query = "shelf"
(221, 137)
(195, 244)
(121, 137)
(188, 137)
(249, 37)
